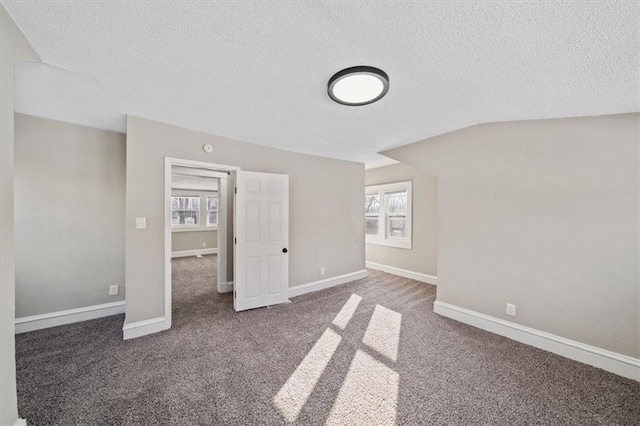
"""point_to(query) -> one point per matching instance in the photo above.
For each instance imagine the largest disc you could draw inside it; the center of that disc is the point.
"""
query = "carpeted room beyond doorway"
(368, 352)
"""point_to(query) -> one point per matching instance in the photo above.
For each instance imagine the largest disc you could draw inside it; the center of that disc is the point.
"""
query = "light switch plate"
(141, 223)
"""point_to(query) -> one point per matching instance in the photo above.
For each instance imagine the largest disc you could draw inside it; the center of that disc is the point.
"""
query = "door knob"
(284, 250)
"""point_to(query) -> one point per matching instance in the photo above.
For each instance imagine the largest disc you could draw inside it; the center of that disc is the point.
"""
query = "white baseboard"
(188, 253)
(142, 328)
(53, 319)
(20, 422)
(326, 283)
(226, 288)
(429, 279)
(610, 361)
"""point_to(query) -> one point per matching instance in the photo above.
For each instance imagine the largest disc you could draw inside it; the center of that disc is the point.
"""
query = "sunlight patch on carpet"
(368, 396)
(295, 392)
(383, 332)
(344, 316)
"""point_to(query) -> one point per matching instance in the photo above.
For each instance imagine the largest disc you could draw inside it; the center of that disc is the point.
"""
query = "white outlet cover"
(511, 309)
(141, 223)
(113, 290)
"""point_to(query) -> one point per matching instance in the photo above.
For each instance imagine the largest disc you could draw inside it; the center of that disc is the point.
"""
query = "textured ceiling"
(257, 71)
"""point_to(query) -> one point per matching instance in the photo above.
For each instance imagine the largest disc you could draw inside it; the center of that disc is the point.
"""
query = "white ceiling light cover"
(358, 86)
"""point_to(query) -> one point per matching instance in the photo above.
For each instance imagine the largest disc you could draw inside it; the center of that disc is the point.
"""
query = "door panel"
(262, 237)
(275, 274)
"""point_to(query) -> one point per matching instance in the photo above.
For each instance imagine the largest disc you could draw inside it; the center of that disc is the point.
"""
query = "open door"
(261, 228)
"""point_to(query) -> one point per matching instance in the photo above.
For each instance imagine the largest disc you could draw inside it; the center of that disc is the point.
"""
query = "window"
(387, 215)
(371, 214)
(212, 210)
(185, 211)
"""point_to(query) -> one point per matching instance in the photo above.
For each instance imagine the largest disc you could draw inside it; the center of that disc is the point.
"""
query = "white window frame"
(383, 238)
(203, 214)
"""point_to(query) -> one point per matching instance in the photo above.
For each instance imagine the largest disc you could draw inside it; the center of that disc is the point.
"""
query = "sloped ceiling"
(257, 71)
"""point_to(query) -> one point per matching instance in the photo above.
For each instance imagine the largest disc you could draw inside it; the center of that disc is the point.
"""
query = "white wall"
(14, 47)
(423, 256)
(543, 214)
(326, 207)
(69, 205)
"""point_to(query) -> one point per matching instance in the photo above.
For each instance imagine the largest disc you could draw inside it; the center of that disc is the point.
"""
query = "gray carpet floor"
(322, 359)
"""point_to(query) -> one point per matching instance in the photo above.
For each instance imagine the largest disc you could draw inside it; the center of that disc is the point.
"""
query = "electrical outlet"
(113, 290)
(321, 271)
(511, 309)
(204, 244)
(141, 223)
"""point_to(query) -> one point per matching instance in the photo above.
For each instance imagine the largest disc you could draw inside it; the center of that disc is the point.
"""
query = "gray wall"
(326, 208)
(543, 214)
(14, 47)
(423, 257)
(69, 204)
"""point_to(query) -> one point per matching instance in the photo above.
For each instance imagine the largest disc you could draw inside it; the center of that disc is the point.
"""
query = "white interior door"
(261, 264)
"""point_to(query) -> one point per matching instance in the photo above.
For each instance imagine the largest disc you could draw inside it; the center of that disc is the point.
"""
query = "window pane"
(175, 218)
(371, 225)
(372, 204)
(397, 202)
(193, 203)
(185, 203)
(212, 211)
(212, 218)
(184, 217)
(397, 227)
(212, 204)
(190, 217)
(185, 210)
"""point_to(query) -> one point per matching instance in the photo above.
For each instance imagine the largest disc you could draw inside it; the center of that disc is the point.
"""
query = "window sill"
(194, 229)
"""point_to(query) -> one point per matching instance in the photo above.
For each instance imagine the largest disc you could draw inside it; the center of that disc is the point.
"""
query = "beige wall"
(14, 47)
(69, 204)
(326, 209)
(194, 240)
(543, 214)
(423, 257)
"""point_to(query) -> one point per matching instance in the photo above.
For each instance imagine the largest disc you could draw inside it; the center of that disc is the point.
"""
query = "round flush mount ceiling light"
(357, 86)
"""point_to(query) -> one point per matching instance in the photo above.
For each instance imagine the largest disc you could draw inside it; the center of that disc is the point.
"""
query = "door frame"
(169, 162)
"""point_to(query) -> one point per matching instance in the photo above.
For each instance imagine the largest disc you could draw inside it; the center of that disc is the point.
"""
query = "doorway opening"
(198, 229)
(251, 210)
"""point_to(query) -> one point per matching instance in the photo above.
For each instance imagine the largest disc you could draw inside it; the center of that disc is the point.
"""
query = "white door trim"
(222, 245)
(222, 234)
